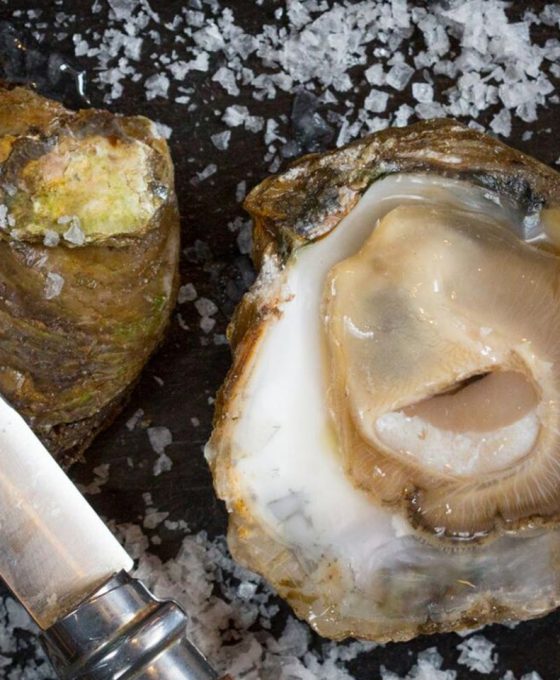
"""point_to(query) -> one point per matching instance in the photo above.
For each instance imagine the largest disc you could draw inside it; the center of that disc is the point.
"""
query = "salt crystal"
(376, 101)
(53, 285)
(254, 123)
(187, 293)
(207, 323)
(375, 75)
(51, 238)
(220, 339)
(123, 9)
(477, 654)
(205, 173)
(160, 437)
(429, 110)
(156, 86)
(240, 191)
(221, 140)
(399, 76)
(3, 216)
(226, 78)
(162, 464)
(153, 518)
(423, 92)
(247, 590)
(205, 307)
(551, 15)
(527, 111)
(74, 233)
(501, 123)
(245, 239)
(235, 115)
(163, 131)
(428, 667)
(403, 114)
(182, 323)
(101, 477)
(134, 419)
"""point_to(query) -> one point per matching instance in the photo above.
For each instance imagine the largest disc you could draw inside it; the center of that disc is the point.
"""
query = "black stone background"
(192, 373)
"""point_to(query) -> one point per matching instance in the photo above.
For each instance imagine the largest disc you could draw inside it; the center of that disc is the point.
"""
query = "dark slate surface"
(191, 372)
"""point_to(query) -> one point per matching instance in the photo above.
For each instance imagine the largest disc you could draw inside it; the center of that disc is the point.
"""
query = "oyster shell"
(89, 246)
(386, 440)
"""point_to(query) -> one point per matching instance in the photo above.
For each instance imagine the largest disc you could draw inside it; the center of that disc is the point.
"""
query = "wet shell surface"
(387, 440)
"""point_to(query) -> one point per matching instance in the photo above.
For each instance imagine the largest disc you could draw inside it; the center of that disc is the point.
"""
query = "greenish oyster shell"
(89, 246)
(301, 205)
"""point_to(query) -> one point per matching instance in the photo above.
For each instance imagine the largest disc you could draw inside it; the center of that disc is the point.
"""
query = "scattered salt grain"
(163, 131)
(221, 140)
(501, 123)
(428, 667)
(207, 323)
(187, 293)
(245, 239)
(182, 323)
(226, 78)
(156, 86)
(477, 654)
(160, 437)
(153, 518)
(399, 75)
(234, 116)
(53, 285)
(423, 92)
(375, 75)
(376, 101)
(3, 216)
(207, 172)
(135, 419)
(101, 477)
(205, 307)
(51, 238)
(240, 191)
(74, 233)
(162, 464)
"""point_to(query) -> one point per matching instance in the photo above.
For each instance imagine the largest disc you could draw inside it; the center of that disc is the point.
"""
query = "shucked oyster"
(89, 243)
(387, 440)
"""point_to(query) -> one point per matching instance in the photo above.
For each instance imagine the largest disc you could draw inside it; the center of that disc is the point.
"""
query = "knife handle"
(122, 632)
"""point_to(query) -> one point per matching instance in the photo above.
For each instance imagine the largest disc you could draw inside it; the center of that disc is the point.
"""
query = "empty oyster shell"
(387, 439)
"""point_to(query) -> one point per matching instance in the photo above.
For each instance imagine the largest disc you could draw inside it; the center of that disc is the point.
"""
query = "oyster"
(387, 440)
(89, 245)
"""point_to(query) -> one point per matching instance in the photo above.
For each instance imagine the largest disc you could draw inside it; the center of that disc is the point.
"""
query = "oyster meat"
(89, 246)
(387, 440)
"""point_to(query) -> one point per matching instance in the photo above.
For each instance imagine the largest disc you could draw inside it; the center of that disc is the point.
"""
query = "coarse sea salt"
(53, 285)
(477, 654)
(427, 667)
